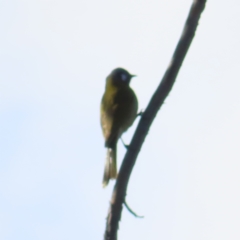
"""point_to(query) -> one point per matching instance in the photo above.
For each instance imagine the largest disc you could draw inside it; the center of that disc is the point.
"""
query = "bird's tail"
(110, 171)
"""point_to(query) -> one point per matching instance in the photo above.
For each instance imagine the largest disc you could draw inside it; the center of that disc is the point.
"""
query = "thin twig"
(131, 211)
(165, 86)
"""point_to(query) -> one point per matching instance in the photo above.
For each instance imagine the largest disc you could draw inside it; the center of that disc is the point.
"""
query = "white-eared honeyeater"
(118, 111)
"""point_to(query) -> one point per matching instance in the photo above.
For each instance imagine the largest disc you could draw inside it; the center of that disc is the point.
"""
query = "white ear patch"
(123, 77)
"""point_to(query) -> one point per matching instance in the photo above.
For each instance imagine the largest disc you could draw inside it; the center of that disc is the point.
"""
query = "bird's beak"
(133, 76)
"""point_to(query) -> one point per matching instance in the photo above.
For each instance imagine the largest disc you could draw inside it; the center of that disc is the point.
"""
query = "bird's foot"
(125, 145)
(140, 113)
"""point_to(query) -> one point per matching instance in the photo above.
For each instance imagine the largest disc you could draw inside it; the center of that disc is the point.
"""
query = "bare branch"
(165, 86)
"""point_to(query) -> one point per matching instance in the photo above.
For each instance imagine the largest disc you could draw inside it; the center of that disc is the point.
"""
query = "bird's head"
(120, 77)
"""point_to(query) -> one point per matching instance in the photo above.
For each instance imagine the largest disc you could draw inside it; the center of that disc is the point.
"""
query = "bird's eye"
(123, 77)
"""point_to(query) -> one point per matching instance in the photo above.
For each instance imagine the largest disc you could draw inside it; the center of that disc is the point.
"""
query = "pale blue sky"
(54, 58)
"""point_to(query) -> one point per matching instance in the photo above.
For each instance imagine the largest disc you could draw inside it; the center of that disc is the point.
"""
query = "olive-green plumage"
(118, 111)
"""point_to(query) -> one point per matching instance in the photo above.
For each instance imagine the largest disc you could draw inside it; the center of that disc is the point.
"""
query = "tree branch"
(165, 86)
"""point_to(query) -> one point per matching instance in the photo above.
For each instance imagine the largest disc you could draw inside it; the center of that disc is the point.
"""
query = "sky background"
(54, 58)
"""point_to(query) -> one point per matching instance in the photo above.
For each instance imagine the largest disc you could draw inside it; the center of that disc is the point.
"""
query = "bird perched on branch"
(118, 111)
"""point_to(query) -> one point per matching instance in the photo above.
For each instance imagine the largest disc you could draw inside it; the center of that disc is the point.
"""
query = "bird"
(119, 106)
